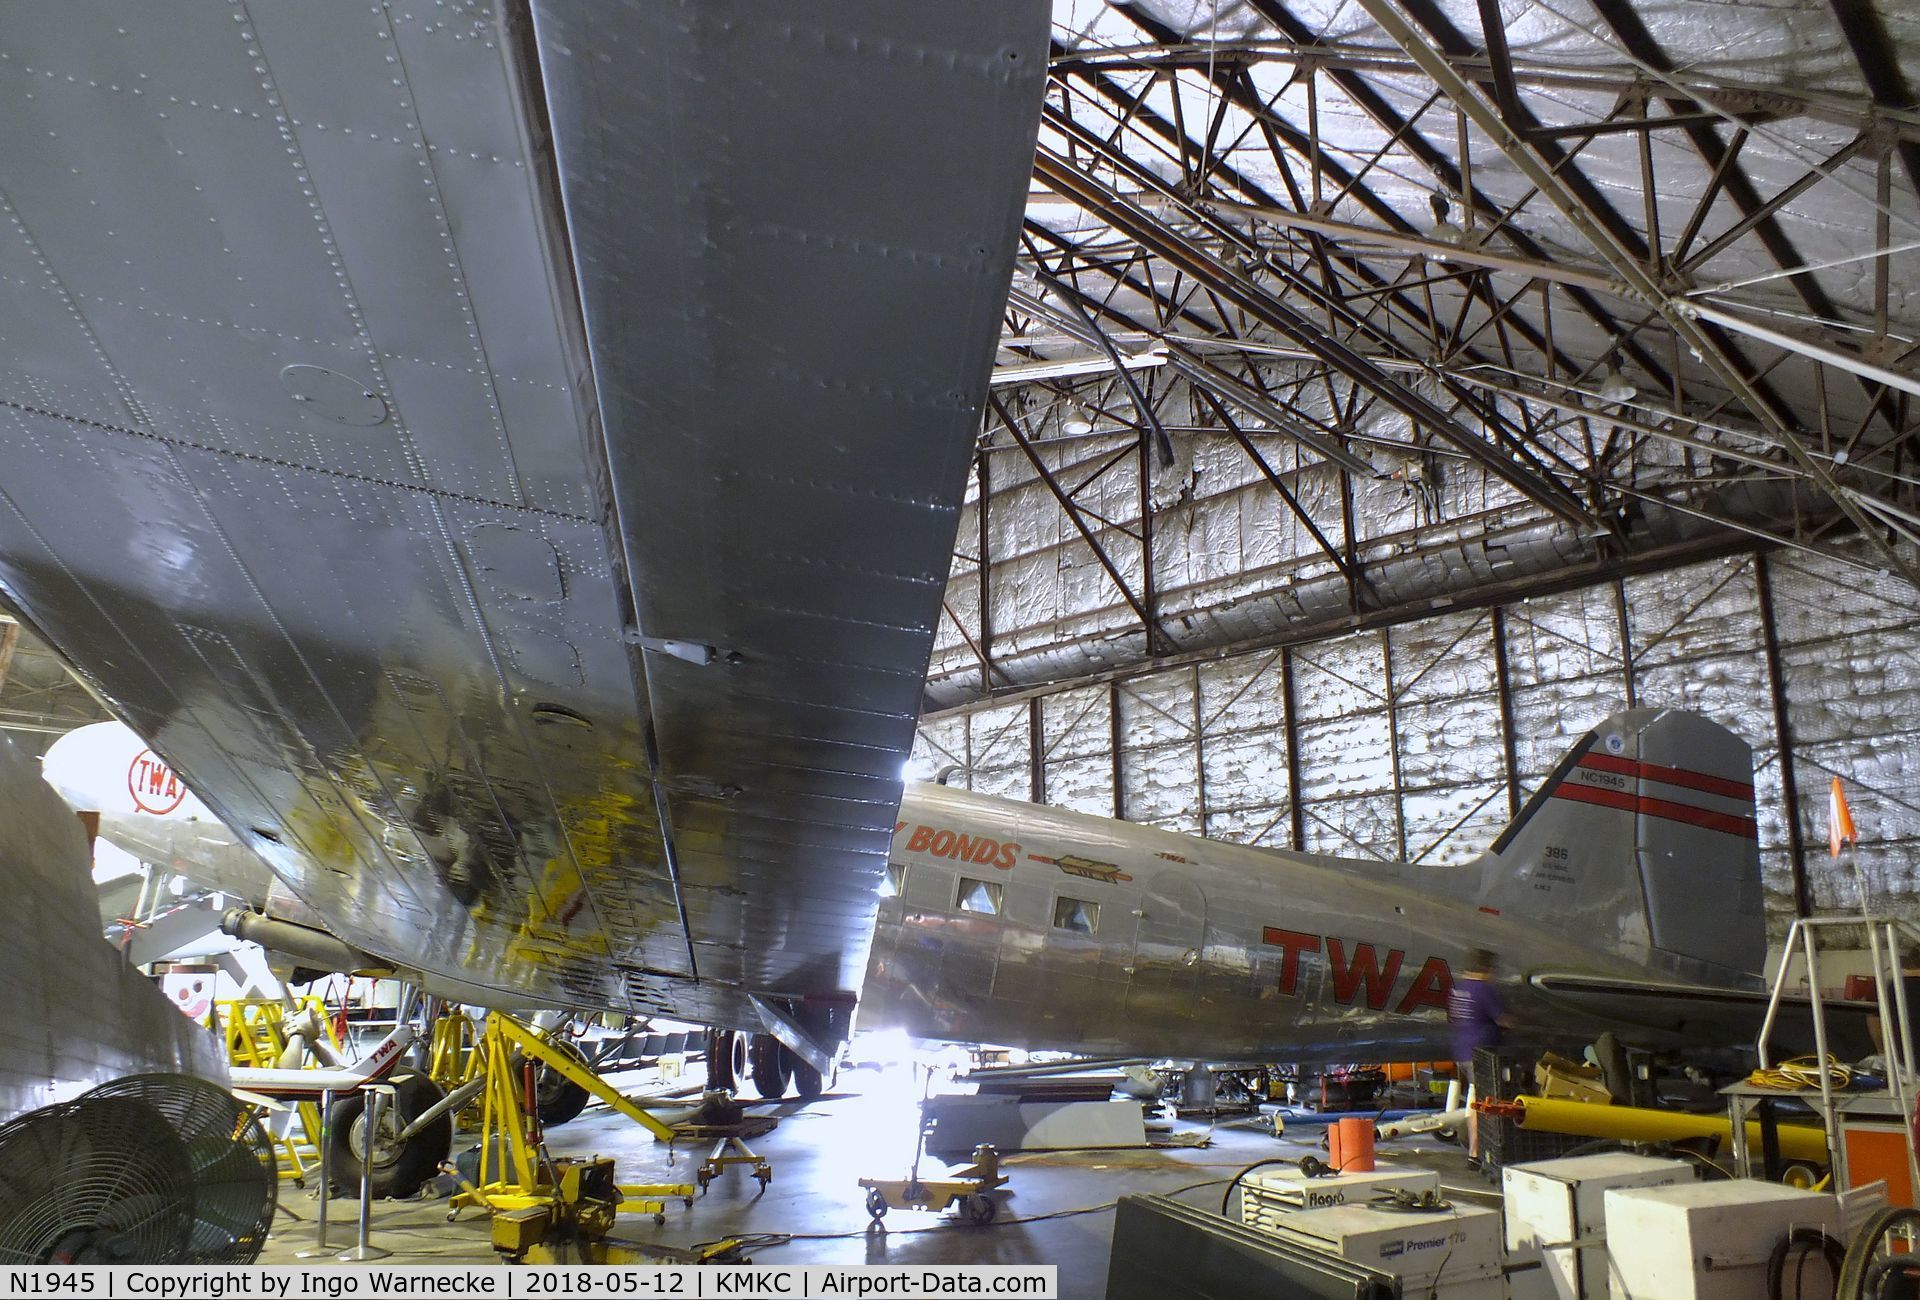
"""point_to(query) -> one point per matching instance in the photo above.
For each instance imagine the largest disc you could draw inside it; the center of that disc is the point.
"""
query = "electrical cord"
(1399, 1201)
(1598, 1145)
(1712, 1164)
(1234, 1182)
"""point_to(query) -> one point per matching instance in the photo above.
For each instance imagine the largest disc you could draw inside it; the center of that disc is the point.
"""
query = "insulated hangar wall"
(1386, 395)
(1420, 739)
(1406, 732)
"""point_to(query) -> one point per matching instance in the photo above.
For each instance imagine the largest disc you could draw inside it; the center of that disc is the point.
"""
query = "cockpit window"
(981, 896)
(1076, 914)
(894, 883)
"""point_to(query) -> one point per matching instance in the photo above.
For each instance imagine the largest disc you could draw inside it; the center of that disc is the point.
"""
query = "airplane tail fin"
(1644, 837)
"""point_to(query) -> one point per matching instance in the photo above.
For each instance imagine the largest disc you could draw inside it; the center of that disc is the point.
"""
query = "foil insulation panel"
(1401, 747)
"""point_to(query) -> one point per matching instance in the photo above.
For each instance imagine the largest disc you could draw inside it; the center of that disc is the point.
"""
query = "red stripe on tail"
(1679, 776)
(1666, 810)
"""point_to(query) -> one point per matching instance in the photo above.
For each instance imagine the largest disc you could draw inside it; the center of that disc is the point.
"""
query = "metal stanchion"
(320, 1246)
(379, 1097)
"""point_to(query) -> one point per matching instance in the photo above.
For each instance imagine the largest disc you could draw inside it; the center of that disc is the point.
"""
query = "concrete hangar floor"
(1057, 1208)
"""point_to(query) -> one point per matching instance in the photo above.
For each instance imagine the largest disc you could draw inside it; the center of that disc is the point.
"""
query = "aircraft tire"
(806, 1080)
(767, 1062)
(722, 1076)
(396, 1173)
(559, 1098)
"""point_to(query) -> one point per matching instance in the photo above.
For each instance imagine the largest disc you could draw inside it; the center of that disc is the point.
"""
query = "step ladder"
(1886, 1112)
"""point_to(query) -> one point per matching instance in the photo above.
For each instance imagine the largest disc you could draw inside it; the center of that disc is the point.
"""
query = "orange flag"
(1839, 820)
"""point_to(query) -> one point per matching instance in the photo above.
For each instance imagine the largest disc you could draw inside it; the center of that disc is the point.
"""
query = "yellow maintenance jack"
(541, 1205)
(729, 1151)
(569, 1225)
(722, 1121)
(967, 1189)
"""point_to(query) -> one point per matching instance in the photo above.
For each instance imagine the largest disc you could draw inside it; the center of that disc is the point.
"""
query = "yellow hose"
(1631, 1124)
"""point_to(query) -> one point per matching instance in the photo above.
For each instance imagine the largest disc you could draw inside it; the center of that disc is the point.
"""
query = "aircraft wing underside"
(508, 460)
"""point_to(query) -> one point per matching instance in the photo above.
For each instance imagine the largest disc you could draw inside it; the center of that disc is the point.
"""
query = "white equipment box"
(1453, 1253)
(1551, 1203)
(1267, 1195)
(1708, 1241)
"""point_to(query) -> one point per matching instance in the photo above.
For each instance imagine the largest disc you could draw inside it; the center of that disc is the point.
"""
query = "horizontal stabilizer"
(1710, 1015)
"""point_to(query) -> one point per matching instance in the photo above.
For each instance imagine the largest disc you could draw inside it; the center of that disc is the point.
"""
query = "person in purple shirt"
(1474, 1009)
(1477, 1016)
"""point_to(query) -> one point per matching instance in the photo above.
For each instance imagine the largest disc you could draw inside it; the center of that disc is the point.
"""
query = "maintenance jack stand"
(967, 1189)
(547, 1199)
(721, 1120)
(571, 1225)
(730, 1151)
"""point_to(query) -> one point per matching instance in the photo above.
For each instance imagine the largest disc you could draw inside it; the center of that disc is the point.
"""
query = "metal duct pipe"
(1636, 1124)
(303, 943)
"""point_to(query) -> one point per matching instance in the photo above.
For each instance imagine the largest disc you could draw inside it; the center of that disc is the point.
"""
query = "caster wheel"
(876, 1204)
(980, 1210)
(659, 1220)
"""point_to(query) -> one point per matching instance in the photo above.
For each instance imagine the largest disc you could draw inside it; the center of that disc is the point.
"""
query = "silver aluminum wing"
(507, 460)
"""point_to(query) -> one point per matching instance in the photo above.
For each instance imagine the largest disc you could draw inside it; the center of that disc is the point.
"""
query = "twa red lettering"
(154, 787)
(1429, 988)
(1365, 971)
(980, 850)
(1293, 943)
(1347, 975)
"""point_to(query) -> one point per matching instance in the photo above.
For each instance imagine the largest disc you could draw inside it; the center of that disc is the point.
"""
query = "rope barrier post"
(379, 1096)
(320, 1246)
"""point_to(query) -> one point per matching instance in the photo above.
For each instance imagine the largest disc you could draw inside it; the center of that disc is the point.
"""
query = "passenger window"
(894, 883)
(981, 896)
(1076, 914)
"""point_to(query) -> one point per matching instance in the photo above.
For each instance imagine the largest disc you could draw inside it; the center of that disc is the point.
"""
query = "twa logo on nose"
(154, 787)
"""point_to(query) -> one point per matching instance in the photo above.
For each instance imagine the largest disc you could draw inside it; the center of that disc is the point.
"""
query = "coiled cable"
(1802, 1072)
(1804, 1242)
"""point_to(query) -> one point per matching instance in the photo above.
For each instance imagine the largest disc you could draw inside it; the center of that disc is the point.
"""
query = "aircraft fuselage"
(1114, 938)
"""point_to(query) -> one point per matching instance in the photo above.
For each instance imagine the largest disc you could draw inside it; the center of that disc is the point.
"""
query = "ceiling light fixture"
(1443, 230)
(1616, 388)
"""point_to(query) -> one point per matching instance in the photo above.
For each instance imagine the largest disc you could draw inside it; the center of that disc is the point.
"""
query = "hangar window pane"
(894, 883)
(1076, 914)
(981, 896)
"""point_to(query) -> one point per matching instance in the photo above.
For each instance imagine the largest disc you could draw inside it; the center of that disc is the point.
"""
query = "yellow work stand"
(726, 1153)
(509, 1129)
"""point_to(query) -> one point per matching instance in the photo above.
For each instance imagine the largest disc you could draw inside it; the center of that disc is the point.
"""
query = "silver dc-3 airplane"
(506, 459)
(1626, 897)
